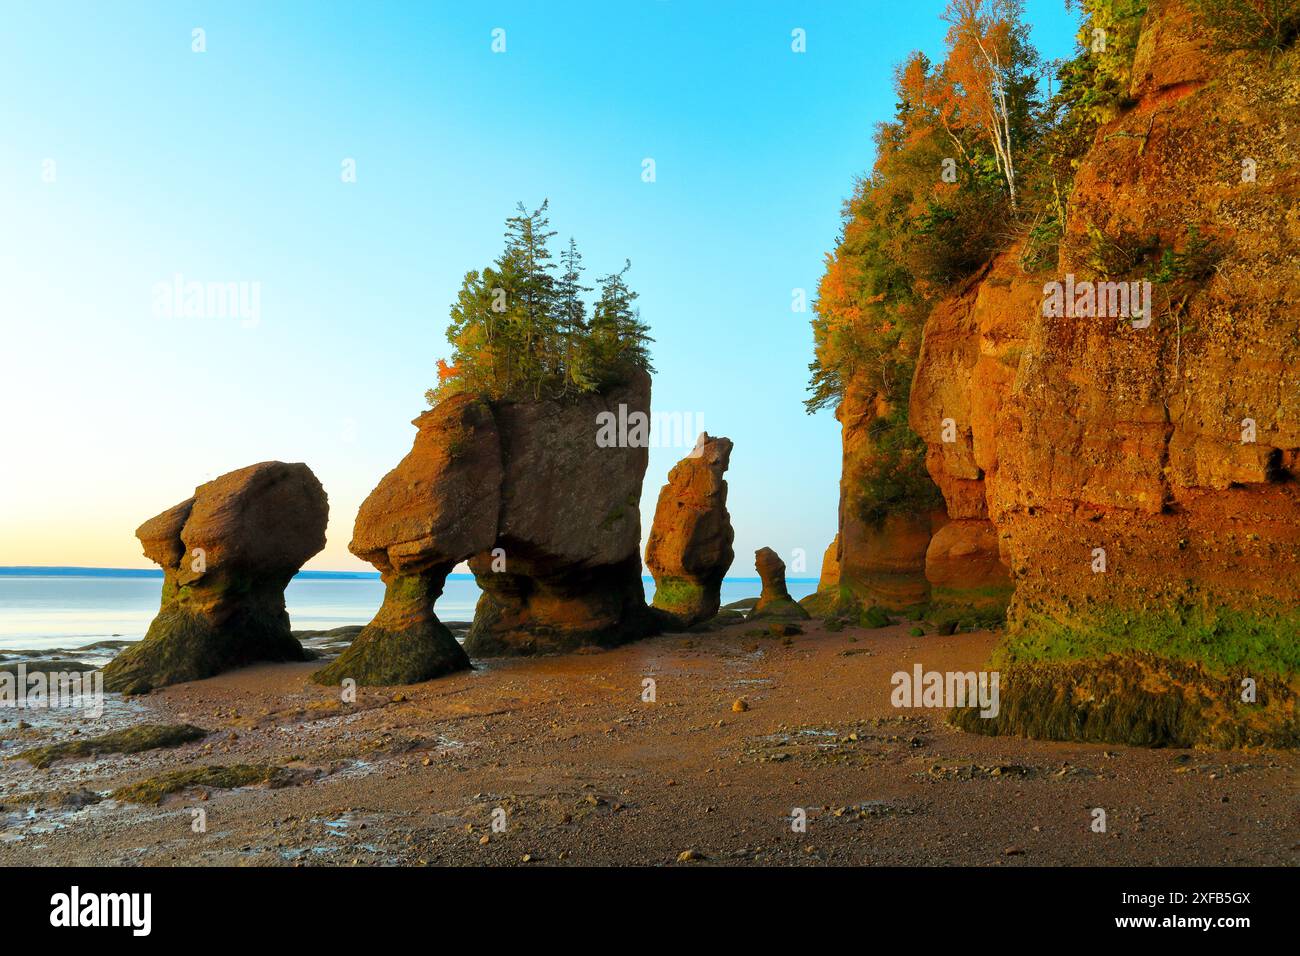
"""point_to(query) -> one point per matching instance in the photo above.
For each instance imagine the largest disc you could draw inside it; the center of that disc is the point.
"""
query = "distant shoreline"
(79, 572)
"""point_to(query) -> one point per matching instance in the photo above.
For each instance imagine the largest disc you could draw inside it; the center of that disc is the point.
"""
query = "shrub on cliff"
(1269, 26)
(518, 331)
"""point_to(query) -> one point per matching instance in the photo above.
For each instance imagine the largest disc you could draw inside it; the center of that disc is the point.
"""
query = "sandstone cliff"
(1141, 480)
(873, 561)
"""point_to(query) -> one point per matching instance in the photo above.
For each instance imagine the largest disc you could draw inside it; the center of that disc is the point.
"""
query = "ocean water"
(43, 609)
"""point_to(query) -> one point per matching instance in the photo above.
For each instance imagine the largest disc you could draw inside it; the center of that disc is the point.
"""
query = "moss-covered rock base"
(1138, 699)
(380, 657)
(185, 644)
(405, 643)
(154, 789)
(779, 609)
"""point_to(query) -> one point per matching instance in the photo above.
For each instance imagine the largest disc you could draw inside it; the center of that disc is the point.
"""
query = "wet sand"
(587, 773)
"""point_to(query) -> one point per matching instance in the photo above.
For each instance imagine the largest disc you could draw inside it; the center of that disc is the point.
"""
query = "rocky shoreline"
(588, 772)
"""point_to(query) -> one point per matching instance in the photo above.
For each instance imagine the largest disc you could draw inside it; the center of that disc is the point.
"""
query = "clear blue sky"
(225, 166)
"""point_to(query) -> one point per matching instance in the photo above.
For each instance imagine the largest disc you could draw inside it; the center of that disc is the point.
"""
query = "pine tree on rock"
(520, 332)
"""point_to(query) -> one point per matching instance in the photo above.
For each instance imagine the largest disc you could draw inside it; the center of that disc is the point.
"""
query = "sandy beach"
(589, 773)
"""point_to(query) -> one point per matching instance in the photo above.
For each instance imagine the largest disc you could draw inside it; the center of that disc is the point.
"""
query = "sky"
(128, 159)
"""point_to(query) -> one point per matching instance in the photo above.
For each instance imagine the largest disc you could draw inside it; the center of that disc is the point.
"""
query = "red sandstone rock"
(227, 555)
(689, 550)
(1083, 435)
(436, 508)
(963, 566)
(569, 528)
(775, 602)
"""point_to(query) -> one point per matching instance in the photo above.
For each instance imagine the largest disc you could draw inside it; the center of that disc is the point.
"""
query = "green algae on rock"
(1140, 700)
(129, 741)
(404, 644)
(833, 602)
(153, 789)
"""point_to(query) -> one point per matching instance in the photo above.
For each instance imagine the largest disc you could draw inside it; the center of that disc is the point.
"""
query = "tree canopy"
(521, 331)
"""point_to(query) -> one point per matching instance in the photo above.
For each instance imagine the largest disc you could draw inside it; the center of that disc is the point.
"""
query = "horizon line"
(372, 575)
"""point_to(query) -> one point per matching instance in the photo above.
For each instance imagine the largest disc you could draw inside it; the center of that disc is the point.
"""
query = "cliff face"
(1141, 481)
(875, 562)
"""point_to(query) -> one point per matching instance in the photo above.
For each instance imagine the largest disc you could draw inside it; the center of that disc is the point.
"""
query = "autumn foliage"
(944, 195)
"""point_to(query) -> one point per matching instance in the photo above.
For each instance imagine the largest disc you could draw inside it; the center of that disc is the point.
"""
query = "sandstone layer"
(689, 550)
(227, 555)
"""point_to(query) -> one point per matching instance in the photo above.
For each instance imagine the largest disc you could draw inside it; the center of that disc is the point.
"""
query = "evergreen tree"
(526, 270)
(571, 317)
(518, 331)
(618, 338)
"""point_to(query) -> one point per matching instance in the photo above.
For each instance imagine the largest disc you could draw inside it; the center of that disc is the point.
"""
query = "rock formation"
(973, 343)
(541, 505)
(567, 571)
(1141, 481)
(774, 603)
(964, 567)
(227, 555)
(872, 563)
(689, 550)
(436, 508)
